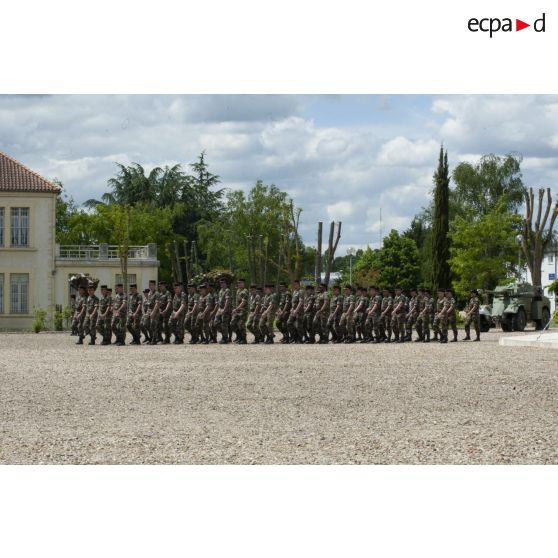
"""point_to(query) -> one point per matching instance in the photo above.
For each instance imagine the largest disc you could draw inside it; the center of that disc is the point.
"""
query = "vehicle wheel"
(484, 325)
(506, 326)
(545, 318)
(519, 320)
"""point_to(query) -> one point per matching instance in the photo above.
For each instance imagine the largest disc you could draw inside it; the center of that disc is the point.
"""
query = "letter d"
(542, 22)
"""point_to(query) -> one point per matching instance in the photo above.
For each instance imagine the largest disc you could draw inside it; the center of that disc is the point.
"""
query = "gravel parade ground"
(282, 404)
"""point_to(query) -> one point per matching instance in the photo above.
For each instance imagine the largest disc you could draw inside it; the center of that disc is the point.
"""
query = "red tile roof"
(15, 177)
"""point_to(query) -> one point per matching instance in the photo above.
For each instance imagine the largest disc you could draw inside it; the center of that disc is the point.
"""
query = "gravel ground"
(411, 403)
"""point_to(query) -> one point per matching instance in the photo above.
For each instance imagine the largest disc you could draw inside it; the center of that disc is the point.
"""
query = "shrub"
(39, 321)
(58, 320)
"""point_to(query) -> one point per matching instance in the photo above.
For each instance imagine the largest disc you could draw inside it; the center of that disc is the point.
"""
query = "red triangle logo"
(519, 25)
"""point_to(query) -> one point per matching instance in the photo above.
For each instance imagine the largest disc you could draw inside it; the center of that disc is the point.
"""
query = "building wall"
(549, 269)
(105, 271)
(37, 259)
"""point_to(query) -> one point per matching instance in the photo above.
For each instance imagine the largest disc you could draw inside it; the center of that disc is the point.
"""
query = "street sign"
(552, 276)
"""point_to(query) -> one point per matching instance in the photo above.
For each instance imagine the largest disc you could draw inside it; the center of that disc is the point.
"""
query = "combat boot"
(80, 340)
(477, 337)
(92, 341)
(443, 338)
(454, 340)
(426, 338)
(224, 340)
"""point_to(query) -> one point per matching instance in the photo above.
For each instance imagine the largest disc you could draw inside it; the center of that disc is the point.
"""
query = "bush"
(58, 320)
(39, 321)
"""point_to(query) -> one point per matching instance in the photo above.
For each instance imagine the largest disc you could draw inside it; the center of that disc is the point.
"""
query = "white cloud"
(339, 210)
(401, 151)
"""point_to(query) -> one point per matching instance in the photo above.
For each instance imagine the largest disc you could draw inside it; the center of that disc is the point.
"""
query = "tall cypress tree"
(440, 224)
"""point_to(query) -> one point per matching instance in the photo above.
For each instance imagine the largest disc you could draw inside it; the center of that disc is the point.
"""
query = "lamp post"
(351, 252)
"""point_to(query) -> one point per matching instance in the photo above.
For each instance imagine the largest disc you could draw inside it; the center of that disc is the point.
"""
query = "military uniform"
(425, 307)
(134, 316)
(398, 317)
(284, 309)
(90, 321)
(79, 317)
(472, 316)
(104, 325)
(176, 323)
(222, 321)
(373, 322)
(207, 306)
(452, 317)
(309, 312)
(335, 309)
(347, 321)
(295, 323)
(255, 304)
(191, 315)
(150, 319)
(239, 317)
(440, 324)
(269, 307)
(165, 305)
(415, 304)
(361, 305)
(385, 317)
(321, 316)
(72, 314)
(119, 318)
(145, 323)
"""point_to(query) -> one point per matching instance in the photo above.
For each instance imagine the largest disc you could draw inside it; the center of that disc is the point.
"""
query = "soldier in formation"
(302, 315)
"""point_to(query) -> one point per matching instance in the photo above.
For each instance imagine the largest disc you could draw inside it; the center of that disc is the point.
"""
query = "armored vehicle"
(514, 305)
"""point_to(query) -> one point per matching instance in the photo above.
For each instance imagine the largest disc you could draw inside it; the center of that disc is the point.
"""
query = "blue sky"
(341, 157)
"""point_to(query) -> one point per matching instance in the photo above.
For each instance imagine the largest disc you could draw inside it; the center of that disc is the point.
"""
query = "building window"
(20, 226)
(1, 226)
(131, 279)
(1, 293)
(551, 258)
(19, 293)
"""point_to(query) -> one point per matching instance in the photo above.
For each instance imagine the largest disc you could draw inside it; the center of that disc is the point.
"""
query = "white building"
(34, 271)
(549, 270)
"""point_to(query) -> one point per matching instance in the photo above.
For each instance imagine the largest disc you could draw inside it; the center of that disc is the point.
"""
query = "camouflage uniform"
(134, 316)
(191, 315)
(119, 318)
(176, 324)
(269, 306)
(72, 314)
(347, 321)
(104, 319)
(452, 317)
(295, 323)
(165, 302)
(90, 321)
(309, 312)
(373, 322)
(335, 308)
(145, 322)
(319, 324)
(204, 321)
(472, 316)
(440, 324)
(415, 303)
(239, 317)
(398, 318)
(385, 318)
(425, 306)
(222, 320)
(149, 323)
(78, 320)
(285, 299)
(360, 315)
(254, 316)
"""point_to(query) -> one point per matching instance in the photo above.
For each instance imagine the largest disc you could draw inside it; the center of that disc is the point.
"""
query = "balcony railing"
(104, 252)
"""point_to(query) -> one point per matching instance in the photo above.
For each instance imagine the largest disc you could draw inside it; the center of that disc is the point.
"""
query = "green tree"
(398, 261)
(484, 251)
(440, 224)
(479, 188)
(66, 208)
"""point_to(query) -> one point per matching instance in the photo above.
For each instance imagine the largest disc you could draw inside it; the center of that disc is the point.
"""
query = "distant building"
(549, 270)
(34, 271)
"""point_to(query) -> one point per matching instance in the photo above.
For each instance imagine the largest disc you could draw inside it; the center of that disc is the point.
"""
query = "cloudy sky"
(340, 157)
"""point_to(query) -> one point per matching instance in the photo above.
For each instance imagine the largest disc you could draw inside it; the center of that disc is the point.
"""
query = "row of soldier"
(306, 314)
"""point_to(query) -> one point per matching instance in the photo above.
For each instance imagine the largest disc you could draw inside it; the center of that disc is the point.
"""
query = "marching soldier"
(134, 314)
(360, 313)
(373, 330)
(347, 321)
(415, 305)
(165, 305)
(398, 315)
(90, 321)
(240, 312)
(322, 313)
(385, 315)
(284, 309)
(269, 307)
(222, 318)
(81, 301)
(335, 309)
(192, 313)
(212, 328)
(73, 313)
(295, 323)
(309, 311)
(207, 307)
(102, 327)
(472, 316)
(451, 314)
(145, 322)
(424, 317)
(440, 324)
(176, 320)
(255, 307)
(119, 315)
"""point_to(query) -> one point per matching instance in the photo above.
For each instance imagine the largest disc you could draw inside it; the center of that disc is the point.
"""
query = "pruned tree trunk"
(331, 249)
(179, 277)
(318, 265)
(534, 239)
